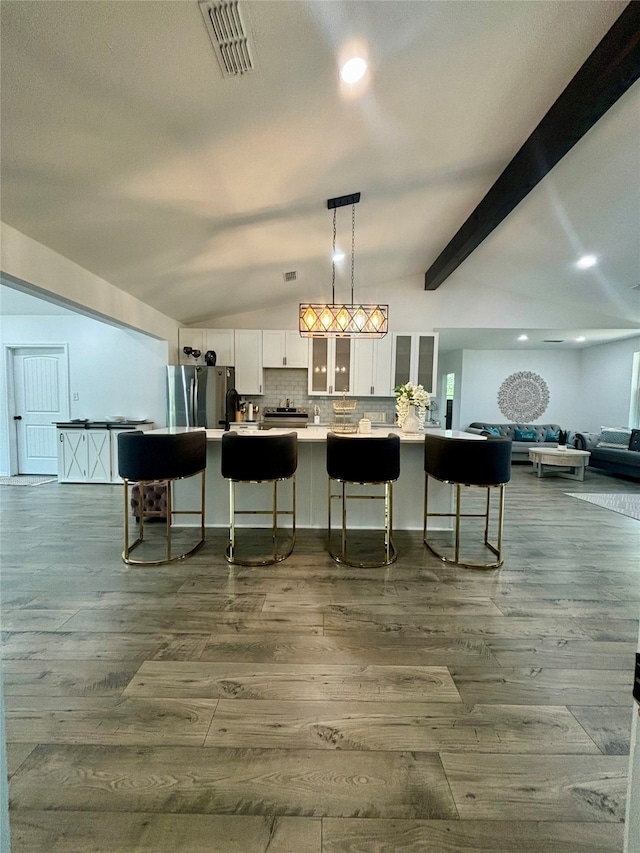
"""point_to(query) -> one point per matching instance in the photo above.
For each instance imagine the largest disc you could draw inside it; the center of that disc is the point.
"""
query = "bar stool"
(260, 459)
(152, 460)
(461, 462)
(363, 461)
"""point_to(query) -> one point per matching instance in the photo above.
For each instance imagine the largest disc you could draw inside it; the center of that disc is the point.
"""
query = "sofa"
(614, 450)
(519, 449)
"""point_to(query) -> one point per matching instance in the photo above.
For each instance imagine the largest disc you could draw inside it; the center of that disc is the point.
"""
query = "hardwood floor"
(312, 708)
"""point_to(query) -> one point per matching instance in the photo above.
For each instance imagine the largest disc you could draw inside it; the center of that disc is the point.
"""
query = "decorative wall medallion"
(523, 396)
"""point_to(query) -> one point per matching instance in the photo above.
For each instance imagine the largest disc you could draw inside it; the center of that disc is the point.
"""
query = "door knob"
(17, 417)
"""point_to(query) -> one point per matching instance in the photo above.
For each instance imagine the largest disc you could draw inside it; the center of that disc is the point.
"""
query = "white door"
(41, 398)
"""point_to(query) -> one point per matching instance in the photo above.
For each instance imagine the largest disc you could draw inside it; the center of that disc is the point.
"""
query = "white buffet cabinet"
(89, 454)
(311, 484)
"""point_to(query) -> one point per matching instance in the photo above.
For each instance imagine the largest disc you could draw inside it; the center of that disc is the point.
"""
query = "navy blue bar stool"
(260, 459)
(151, 460)
(369, 461)
(469, 463)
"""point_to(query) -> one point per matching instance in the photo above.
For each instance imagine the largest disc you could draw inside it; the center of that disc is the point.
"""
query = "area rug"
(626, 504)
(26, 480)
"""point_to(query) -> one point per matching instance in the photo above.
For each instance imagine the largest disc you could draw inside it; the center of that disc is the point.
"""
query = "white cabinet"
(222, 342)
(330, 366)
(415, 359)
(194, 338)
(248, 361)
(90, 455)
(372, 367)
(84, 456)
(283, 348)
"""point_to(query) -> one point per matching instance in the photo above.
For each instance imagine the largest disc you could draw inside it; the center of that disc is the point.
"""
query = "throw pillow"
(634, 441)
(551, 435)
(525, 435)
(615, 437)
(492, 430)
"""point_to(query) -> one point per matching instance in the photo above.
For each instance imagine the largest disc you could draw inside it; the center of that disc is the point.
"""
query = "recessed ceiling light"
(586, 261)
(523, 338)
(581, 339)
(353, 70)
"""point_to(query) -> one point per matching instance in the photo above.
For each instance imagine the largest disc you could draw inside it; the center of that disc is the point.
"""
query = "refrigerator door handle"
(193, 403)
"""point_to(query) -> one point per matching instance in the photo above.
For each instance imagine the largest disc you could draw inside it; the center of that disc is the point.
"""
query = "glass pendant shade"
(331, 319)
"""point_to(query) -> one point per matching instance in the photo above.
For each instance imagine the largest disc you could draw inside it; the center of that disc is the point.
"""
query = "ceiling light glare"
(581, 339)
(586, 262)
(353, 70)
(523, 338)
(337, 257)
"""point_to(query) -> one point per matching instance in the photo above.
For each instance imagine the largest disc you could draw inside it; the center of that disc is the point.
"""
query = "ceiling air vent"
(552, 341)
(228, 36)
(290, 276)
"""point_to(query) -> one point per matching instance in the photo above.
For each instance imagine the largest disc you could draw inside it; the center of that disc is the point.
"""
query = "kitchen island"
(311, 483)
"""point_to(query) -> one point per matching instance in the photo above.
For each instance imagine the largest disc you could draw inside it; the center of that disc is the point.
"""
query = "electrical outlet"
(76, 396)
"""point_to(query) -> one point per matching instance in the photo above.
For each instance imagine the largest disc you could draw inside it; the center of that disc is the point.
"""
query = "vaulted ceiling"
(125, 149)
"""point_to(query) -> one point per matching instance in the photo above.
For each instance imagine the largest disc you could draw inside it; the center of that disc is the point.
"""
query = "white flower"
(412, 395)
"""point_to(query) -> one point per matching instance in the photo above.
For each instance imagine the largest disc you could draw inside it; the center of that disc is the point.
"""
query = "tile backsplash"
(288, 383)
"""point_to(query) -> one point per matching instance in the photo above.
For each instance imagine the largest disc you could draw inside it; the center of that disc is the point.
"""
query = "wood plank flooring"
(312, 708)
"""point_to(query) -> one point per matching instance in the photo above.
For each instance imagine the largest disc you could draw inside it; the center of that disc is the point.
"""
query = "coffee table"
(575, 460)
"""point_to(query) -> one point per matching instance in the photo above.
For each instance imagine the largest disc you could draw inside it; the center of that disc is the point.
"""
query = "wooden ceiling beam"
(612, 68)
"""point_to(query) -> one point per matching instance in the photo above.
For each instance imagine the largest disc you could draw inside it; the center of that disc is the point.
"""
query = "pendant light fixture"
(334, 319)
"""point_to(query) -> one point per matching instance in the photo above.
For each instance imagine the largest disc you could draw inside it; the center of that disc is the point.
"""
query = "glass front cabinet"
(415, 359)
(330, 366)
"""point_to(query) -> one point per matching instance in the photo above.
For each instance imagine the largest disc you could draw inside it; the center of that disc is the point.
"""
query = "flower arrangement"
(411, 395)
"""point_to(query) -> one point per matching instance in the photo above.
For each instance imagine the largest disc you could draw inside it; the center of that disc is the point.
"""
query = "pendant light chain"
(353, 244)
(333, 260)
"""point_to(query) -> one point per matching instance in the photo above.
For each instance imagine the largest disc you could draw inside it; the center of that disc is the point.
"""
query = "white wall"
(484, 371)
(113, 371)
(606, 384)
(26, 260)
(459, 304)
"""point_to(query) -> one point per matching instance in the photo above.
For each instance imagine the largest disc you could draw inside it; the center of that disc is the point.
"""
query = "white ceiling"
(125, 149)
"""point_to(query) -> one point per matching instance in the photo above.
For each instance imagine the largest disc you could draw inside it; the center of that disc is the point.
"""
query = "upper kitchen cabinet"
(415, 359)
(330, 366)
(248, 361)
(283, 348)
(194, 338)
(222, 342)
(372, 367)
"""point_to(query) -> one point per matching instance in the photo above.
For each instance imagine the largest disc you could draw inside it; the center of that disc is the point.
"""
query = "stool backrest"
(259, 457)
(474, 462)
(161, 457)
(363, 460)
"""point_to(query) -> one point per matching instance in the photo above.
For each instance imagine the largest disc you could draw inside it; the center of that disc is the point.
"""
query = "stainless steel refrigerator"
(197, 396)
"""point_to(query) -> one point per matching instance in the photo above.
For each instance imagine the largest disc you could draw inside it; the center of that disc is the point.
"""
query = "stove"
(284, 417)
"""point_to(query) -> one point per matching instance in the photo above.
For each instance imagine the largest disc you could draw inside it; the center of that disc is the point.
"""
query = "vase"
(411, 422)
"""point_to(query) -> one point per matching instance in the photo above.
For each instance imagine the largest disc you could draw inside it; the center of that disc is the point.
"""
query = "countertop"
(319, 433)
(89, 424)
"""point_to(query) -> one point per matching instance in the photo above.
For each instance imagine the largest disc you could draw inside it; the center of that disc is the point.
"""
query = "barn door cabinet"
(90, 454)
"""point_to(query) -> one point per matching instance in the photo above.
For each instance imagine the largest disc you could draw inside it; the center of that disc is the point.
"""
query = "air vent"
(551, 341)
(228, 36)
(290, 276)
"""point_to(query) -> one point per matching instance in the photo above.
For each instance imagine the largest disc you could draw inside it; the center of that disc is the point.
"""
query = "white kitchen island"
(311, 484)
